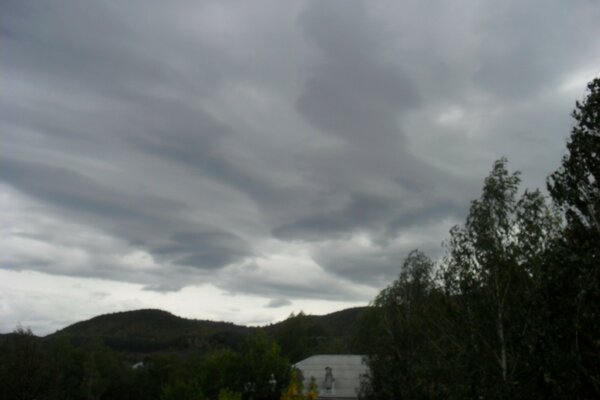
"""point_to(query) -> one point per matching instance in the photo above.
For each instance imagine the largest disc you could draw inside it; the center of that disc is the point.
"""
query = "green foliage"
(226, 394)
(571, 284)
(220, 371)
(295, 389)
(515, 311)
(258, 371)
(575, 185)
(265, 371)
(66, 365)
(23, 370)
(181, 390)
(150, 332)
(402, 335)
(470, 330)
(31, 368)
(301, 336)
(491, 271)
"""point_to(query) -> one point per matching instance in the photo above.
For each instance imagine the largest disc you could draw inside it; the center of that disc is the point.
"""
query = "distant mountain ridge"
(152, 330)
(143, 322)
(149, 331)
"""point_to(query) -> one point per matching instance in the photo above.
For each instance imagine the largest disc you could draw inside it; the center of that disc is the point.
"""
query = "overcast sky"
(240, 160)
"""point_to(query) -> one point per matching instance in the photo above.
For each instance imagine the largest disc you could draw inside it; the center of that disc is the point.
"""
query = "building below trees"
(337, 376)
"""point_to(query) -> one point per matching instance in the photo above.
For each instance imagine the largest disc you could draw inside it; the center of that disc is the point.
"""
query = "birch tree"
(490, 271)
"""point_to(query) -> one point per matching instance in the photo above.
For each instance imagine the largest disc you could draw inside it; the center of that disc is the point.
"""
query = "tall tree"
(490, 272)
(402, 335)
(24, 373)
(259, 372)
(572, 279)
(300, 336)
(266, 373)
(575, 185)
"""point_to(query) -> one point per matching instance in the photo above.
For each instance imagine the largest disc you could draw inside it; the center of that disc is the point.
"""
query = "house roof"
(347, 370)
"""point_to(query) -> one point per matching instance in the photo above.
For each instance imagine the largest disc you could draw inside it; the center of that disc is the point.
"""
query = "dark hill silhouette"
(156, 331)
(146, 331)
(303, 335)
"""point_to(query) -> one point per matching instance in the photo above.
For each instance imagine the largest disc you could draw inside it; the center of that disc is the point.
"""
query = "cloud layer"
(286, 152)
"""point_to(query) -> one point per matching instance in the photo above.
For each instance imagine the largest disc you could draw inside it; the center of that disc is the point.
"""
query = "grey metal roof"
(346, 369)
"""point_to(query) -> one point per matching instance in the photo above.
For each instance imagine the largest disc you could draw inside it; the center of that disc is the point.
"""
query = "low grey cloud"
(350, 79)
(316, 288)
(191, 137)
(284, 151)
(72, 191)
(276, 303)
(361, 211)
(204, 249)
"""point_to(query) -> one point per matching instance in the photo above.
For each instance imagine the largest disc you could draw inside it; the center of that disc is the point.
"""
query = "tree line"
(31, 369)
(254, 365)
(512, 309)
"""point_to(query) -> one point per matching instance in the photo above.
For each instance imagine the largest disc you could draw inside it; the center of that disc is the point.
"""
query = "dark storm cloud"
(308, 288)
(368, 212)
(193, 138)
(204, 249)
(73, 44)
(98, 47)
(519, 42)
(363, 211)
(123, 214)
(359, 212)
(356, 94)
(72, 191)
(430, 212)
(372, 267)
(209, 135)
(351, 92)
(375, 265)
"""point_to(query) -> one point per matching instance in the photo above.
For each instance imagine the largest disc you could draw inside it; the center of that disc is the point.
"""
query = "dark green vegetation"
(32, 368)
(182, 358)
(511, 312)
(154, 331)
(513, 309)
(144, 333)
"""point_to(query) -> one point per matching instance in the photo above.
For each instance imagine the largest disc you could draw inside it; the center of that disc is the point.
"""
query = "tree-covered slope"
(155, 331)
(151, 331)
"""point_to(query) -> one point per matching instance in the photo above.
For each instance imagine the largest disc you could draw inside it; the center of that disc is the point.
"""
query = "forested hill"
(149, 331)
(152, 331)
(148, 322)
